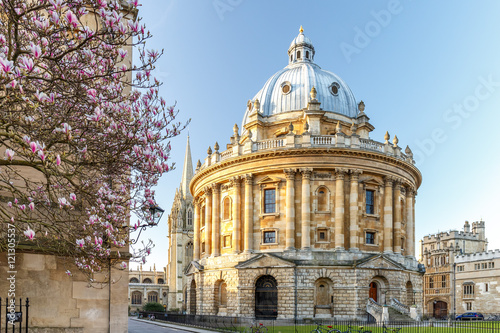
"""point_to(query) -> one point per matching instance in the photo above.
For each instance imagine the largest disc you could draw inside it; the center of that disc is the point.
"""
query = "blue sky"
(427, 71)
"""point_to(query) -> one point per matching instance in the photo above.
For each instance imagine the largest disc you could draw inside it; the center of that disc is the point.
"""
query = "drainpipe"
(454, 290)
(109, 296)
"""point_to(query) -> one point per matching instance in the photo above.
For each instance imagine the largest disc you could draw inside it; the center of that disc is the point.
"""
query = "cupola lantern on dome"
(289, 89)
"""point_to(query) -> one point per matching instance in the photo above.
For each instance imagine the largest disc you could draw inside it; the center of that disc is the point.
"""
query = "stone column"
(196, 237)
(398, 218)
(290, 209)
(306, 209)
(353, 210)
(208, 220)
(216, 219)
(388, 214)
(248, 242)
(410, 222)
(339, 208)
(236, 215)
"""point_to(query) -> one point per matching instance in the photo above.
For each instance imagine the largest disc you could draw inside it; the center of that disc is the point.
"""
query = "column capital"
(411, 191)
(389, 180)
(207, 189)
(215, 188)
(340, 173)
(290, 173)
(355, 174)
(248, 178)
(235, 181)
(306, 173)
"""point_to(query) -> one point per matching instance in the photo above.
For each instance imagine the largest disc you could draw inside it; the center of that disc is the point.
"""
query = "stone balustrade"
(308, 141)
(400, 306)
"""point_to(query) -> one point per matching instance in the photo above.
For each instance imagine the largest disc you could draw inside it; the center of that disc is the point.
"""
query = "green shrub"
(153, 307)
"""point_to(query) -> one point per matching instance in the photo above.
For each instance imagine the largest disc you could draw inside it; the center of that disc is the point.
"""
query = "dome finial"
(301, 30)
(313, 93)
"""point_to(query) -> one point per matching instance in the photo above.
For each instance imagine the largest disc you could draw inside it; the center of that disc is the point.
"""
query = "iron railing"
(14, 315)
(240, 324)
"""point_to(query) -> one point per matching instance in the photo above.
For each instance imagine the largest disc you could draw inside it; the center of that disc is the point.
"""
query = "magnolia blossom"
(9, 154)
(80, 242)
(72, 196)
(30, 234)
(123, 265)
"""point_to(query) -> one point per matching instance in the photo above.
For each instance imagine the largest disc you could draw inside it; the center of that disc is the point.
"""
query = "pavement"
(172, 326)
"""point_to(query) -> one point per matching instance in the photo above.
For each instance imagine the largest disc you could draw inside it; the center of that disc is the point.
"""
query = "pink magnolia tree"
(83, 131)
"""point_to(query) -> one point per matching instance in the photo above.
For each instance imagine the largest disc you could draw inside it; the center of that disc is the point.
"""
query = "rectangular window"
(270, 201)
(468, 306)
(227, 241)
(270, 237)
(460, 268)
(468, 290)
(370, 202)
(443, 281)
(322, 235)
(431, 282)
(486, 287)
(370, 238)
(202, 247)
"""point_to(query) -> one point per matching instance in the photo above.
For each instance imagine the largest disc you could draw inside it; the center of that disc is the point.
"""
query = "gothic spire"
(187, 172)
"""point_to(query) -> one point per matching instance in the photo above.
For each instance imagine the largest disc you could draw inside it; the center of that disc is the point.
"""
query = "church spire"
(187, 172)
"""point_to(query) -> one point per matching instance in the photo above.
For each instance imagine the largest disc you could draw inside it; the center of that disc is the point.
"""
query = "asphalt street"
(135, 326)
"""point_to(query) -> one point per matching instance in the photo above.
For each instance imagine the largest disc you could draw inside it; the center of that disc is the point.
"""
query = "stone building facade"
(438, 255)
(303, 215)
(180, 234)
(477, 284)
(147, 286)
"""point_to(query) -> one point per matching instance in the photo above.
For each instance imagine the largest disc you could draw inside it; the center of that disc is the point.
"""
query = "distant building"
(477, 282)
(180, 234)
(438, 255)
(147, 286)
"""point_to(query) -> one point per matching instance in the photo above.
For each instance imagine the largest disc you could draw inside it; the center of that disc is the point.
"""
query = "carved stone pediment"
(269, 180)
(379, 261)
(264, 260)
(193, 267)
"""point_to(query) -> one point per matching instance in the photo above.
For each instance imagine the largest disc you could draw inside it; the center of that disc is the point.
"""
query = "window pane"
(269, 237)
(270, 201)
(370, 208)
(370, 238)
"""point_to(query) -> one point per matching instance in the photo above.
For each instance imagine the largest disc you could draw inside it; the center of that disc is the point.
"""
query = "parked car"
(470, 316)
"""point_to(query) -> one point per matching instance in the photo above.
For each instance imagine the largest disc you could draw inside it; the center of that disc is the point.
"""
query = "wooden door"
(373, 291)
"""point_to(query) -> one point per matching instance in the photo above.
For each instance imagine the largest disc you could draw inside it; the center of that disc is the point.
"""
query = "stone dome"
(288, 89)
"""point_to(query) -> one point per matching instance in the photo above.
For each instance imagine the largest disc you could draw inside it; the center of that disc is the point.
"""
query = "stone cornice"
(343, 152)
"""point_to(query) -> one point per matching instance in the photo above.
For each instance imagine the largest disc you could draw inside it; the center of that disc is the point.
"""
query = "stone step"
(397, 316)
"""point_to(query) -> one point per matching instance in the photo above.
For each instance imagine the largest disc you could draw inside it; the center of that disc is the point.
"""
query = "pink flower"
(71, 18)
(122, 53)
(69, 273)
(9, 204)
(35, 50)
(6, 65)
(41, 154)
(80, 242)
(123, 265)
(22, 207)
(34, 147)
(29, 233)
(72, 196)
(9, 154)
(62, 202)
(31, 206)
(58, 160)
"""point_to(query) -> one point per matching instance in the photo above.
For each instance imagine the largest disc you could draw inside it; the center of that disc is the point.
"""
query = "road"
(135, 326)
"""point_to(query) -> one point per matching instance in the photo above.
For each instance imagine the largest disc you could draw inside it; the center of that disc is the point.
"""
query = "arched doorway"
(192, 298)
(323, 298)
(410, 298)
(440, 309)
(266, 298)
(373, 293)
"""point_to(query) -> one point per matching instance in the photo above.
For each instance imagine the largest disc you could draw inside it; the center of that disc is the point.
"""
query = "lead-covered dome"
(288, 90)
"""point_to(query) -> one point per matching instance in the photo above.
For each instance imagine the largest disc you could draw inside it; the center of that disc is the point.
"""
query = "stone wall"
(62, 303)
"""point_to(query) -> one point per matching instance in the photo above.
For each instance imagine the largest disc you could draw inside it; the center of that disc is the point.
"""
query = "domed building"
(303, 215)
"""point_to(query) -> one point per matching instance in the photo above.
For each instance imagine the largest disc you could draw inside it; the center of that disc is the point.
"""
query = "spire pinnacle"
(187, 171)
(301, 30)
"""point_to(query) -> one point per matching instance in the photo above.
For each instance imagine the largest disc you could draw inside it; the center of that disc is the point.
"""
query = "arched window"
(153, 297)
(307, 54)
(226, 206)
(161, 281)
(298, 54)
(202, 213)
(136, 298)
(223, 294)
(147, 280)
(322, 200)
(291, 57)
(134, 280)
(188, 253)
(189, 217)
